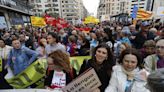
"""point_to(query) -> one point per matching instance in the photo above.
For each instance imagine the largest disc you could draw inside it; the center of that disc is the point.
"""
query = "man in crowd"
(142, 36)
(53, 43)
(20, 57)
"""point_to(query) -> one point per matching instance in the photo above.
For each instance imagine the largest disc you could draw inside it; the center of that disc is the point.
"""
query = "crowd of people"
(123, 55)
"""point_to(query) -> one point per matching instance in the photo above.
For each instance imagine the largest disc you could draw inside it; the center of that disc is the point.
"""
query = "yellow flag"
(37, 21)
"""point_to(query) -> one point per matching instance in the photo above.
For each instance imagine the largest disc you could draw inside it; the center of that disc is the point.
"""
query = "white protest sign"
(86, 82)
(160, 11)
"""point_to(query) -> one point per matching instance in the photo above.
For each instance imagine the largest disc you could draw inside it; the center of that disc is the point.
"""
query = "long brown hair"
(61, 59)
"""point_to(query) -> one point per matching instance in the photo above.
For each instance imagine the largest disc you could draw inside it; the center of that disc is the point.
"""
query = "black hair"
(110, 55)
(54, 35)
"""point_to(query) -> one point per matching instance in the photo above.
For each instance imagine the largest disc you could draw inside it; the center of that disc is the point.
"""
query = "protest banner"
(0, 64)
(86, 82)
(37, 21)
(160, 11)
(32, 75)
(77, 61)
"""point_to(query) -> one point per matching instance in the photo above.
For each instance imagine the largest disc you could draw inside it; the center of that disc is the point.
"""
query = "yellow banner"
(91, 19)
(34, 74)
(37, 21)
(77, 61)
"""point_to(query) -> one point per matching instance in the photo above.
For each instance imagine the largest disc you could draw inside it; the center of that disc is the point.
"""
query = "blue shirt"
(20, 59)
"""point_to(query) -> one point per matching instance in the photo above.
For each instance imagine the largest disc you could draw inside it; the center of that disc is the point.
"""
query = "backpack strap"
(153, 63)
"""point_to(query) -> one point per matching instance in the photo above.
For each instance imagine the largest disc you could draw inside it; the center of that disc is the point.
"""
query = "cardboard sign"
(86, 82)
(30, 90)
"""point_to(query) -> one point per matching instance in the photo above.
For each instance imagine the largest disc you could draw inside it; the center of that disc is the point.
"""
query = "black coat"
(140, 39)
(3, 82)
(104, 73)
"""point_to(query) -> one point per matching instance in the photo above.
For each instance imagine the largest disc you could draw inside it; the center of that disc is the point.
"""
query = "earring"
(106, 58)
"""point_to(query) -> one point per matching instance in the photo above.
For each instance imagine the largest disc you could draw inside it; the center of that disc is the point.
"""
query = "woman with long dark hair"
(102, 62)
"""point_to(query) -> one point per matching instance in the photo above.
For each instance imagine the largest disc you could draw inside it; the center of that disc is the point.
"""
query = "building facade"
(156, 5)
(70, 10)
(109, 8)
(14, 12)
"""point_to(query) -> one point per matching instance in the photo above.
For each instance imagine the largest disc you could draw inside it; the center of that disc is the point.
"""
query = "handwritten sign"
(86, 82)
(30, 90)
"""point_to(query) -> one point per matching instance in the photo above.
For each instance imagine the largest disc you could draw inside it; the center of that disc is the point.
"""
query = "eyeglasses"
(161, 47)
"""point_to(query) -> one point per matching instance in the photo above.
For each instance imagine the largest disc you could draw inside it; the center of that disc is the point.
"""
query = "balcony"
(16, 6)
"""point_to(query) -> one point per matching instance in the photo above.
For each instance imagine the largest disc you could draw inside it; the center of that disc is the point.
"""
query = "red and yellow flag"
(142, 14)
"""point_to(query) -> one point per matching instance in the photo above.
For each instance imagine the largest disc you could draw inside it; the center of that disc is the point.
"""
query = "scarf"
(130, 75)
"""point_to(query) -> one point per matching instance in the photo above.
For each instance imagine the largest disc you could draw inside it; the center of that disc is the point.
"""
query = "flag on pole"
(142, 14)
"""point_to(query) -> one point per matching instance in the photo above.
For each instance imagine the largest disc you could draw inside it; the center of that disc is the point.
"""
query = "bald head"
(160, 48)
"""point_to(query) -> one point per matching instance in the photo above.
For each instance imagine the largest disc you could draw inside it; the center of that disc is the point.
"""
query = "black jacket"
(3, 82)
(140, 39)
(104, 73)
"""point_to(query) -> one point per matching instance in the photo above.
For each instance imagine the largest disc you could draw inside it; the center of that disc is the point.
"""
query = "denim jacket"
(20, 59)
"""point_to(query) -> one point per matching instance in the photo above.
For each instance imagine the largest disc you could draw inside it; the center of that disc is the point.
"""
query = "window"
(38, 1)
(66, 1)
(112, 12)
(39, 10)
(55, 5)
(32, 1)
(55, 0)
(56, 9)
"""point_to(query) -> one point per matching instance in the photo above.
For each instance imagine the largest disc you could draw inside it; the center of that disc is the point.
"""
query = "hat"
(145, 23)
(126, 30)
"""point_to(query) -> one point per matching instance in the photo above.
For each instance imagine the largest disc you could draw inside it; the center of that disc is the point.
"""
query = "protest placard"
(86, 82)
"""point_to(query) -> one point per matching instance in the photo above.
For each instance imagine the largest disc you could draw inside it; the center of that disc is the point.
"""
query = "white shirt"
(59, 79)
(4, 52)
(50, 48)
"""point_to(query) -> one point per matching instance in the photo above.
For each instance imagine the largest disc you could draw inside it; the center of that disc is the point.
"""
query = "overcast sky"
(91, 6)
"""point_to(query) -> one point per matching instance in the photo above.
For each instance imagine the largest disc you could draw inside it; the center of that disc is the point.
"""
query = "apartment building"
(14, 12)
(70, 10)
(111, 8)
